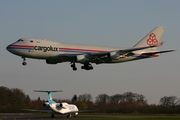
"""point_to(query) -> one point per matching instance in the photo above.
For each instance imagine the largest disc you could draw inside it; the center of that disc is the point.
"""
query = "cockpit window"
(31, 41)
(20, 40)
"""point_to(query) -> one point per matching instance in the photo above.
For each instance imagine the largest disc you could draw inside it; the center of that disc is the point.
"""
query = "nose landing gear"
(68, 116)
(73, 65)
(24, 61)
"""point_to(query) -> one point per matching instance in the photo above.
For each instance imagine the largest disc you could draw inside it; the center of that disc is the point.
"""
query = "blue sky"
(119, 23)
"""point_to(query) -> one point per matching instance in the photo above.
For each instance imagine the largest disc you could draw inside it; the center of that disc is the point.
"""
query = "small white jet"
(60, 108)
(54, 52)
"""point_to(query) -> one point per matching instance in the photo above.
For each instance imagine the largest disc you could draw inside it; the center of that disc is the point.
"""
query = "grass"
(126, 118)
(104, 116)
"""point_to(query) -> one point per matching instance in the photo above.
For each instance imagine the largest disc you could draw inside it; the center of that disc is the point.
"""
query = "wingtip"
(173, 50)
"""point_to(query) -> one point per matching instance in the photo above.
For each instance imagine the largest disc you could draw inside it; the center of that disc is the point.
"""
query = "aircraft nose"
(8, 48)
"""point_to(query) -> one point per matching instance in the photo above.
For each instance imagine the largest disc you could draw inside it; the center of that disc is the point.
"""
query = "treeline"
(13, 100)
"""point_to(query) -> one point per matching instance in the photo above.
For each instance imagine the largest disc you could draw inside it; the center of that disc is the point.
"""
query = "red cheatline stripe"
(82, 49)
(24, 46)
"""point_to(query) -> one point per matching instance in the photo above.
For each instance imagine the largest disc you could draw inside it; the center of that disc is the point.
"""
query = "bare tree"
(74, 98)
(85, 97)
(116, 99)
(169, 101)
(102, 98)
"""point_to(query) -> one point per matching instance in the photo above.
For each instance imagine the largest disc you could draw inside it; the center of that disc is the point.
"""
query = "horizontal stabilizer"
(48, 91)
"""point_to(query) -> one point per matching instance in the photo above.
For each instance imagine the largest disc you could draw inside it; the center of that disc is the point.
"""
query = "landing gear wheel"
(82, 67)
(87, 67)
(91, 68)
(24, 63)
(73, 65)
(74, 68)
(68, 116)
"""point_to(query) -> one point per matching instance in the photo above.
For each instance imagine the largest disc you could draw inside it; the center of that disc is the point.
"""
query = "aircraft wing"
(92, 56)
(139, 48)
(123, 51)
(80, 111)
(47, 111)
(151, 53)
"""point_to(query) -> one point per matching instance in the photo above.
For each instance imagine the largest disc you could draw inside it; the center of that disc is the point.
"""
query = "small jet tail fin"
(151, 39)
(50, 100)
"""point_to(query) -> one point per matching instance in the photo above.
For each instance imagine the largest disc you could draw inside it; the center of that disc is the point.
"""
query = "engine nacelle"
(81, 59)
(49, 61)
(62, 105)
(113, 55)
(46, 104)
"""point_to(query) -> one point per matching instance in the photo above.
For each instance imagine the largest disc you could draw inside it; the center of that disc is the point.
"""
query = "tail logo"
(152, 41)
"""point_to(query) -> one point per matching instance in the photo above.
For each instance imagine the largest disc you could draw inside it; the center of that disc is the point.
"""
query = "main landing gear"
(87, 66)
(24, 61)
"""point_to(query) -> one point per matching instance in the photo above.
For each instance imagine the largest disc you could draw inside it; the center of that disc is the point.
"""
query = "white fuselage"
(54, 52)
(44, 49)
(69, 109)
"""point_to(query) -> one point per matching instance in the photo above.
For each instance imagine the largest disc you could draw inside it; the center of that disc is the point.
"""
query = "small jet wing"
(151, 53)
(47, 111)
(80, 111)
(87, 110)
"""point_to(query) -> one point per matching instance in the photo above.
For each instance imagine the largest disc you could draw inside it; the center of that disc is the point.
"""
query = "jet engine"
(113, 55)
(81, 59)
(46, 104)
(62, 105)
